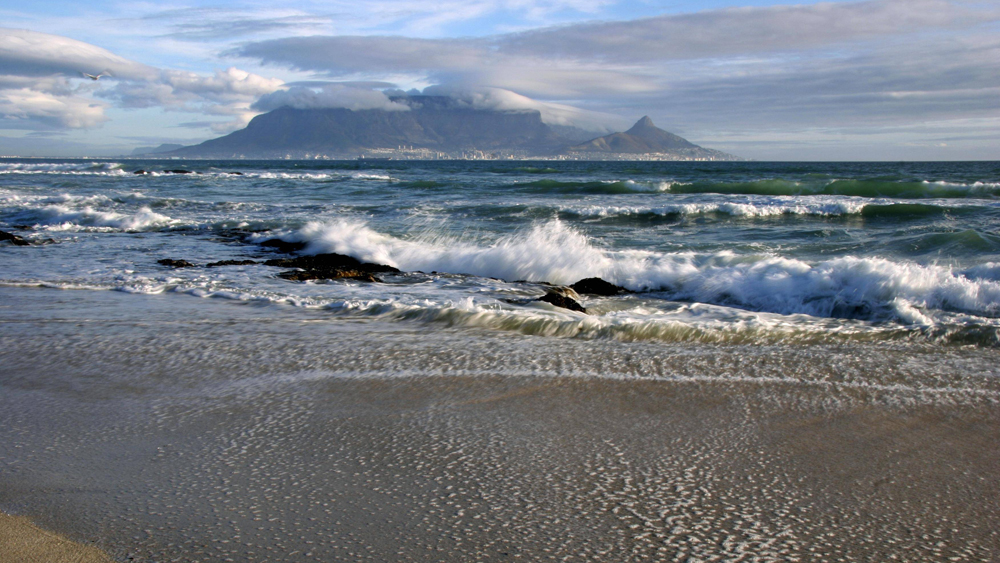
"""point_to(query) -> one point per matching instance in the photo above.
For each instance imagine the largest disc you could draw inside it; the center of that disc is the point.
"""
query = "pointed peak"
(643, 124)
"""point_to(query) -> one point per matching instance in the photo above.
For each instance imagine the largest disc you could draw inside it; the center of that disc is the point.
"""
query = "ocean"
(715, 252)
(813, 288)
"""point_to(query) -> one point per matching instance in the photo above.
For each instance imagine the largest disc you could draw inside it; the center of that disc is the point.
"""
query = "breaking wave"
(69, 168)
(871, 188)
(65, 218)
(775, 206)
(869, 288)
(864, 188)
(609, 187)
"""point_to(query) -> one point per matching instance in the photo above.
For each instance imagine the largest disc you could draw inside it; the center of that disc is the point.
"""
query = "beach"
(118, 433)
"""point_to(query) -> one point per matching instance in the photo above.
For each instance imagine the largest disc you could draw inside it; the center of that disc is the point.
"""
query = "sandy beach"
(23, 542)
(117, 430)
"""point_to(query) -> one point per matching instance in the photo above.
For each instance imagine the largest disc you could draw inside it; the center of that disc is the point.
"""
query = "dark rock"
(303, 275)
(330, 267)
(283, 246)
(13, 239)
(597, 286)
(141, 172)
(178, 171)
(232, 263)
(561, 298)
(331, 261)
(235, 173)
(175, 263)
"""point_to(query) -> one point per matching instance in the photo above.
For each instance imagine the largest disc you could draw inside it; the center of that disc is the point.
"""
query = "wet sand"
(159, 450)
(23, 542)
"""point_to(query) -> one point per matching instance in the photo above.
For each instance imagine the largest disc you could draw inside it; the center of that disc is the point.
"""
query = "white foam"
(762, 207)
(988, 271)
(69, 168)
(288, 175)
(549, 252)
(871, 288)
(972, 186)
(663, 186)
(370, 176)
(66, 218)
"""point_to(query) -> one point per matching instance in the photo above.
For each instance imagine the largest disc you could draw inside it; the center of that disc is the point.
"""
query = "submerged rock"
(597, 286)
(330, 266)
(330, 261)
(563, 297)
(283, 246)
(179, 171)
(13, 239)
(304, 275)
(175, 263)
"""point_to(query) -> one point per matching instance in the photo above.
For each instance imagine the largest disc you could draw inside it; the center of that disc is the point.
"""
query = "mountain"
(435, 127)
(435, 123)
(645, 138)
(165, 147)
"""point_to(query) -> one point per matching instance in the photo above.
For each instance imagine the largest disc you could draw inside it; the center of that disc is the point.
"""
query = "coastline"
(115, 427)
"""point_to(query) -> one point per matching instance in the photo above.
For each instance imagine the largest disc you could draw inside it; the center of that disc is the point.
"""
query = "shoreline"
(166, 427)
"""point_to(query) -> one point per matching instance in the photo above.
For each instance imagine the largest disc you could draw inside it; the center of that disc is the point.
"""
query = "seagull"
(98, 76)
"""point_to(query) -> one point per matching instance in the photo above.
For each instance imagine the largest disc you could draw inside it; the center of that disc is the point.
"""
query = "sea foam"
(67, 218)
(868, 288)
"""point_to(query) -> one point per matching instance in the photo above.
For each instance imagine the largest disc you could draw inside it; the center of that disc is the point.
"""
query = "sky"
(842, 80)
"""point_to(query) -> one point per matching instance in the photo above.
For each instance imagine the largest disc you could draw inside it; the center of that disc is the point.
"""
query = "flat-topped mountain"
(433, 126)
(436, 123)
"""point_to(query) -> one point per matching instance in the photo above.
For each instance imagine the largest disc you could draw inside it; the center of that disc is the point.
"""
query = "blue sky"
(876, 79)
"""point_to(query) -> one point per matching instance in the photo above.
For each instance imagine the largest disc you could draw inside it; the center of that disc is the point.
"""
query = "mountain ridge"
(643, 137)
(431, 127)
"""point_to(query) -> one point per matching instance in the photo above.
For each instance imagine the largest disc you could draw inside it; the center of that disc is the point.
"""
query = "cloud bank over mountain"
(820, 65)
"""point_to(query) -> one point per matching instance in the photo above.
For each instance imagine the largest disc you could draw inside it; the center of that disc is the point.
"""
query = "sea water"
(739, 253)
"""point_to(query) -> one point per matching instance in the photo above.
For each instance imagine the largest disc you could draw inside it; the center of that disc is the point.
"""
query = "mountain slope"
(445, 127)
(435, 123)
(643, 137)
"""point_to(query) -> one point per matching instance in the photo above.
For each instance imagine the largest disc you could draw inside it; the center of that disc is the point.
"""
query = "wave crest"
(873, 289)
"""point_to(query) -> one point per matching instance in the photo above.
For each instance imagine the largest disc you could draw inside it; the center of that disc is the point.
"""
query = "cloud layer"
(42, 85)
(880, 62)
(328, 96)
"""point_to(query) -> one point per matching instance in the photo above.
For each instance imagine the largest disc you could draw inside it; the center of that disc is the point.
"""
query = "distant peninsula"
(435, 127)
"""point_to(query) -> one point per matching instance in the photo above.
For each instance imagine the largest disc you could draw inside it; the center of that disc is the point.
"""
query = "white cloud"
(744, 31)
(328, 96)
(25, 107)
(498, 99)
(42, 85)
(829, 64)
(30, 53)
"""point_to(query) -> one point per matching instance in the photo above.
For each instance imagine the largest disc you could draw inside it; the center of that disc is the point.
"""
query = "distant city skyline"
(870, 80)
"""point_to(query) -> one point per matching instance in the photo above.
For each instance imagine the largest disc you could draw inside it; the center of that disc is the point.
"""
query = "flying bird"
(97, 76)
